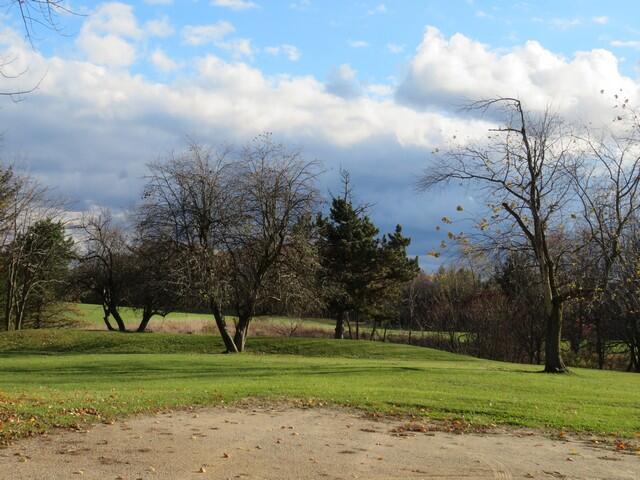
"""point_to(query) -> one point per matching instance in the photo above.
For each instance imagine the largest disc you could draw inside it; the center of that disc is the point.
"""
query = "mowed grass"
(92, 316)
(69, 377)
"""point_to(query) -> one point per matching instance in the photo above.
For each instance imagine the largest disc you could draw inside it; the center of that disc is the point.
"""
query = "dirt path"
(287, 443)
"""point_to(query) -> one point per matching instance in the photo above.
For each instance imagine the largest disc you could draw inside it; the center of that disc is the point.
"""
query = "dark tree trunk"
(146, 317)
(373, 329)
(348, 320)
(116, 316)
(599, 343)
(105, 317)
(221, 323)
(553, 358)
(339, 330)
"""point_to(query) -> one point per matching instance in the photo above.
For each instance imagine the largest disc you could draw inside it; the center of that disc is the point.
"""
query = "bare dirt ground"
(289, 443)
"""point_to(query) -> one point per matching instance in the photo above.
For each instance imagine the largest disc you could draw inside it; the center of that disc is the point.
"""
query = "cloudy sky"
(368, 86)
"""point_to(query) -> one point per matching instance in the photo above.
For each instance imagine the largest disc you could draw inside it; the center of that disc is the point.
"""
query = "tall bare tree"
(523, 172)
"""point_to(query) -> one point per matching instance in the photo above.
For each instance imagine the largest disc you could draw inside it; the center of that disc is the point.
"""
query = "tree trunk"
(105, 310)
(553, 358)
(116, 316)
(242, 329)
(146, 317)
(357, 325)
(373, 329)
(339, 330)
(221, 323)
(348, 320)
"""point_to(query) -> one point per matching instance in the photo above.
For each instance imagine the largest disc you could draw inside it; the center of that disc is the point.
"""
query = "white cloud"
(98, 126)
(358, 44)
(238, 47)
(564, 23)
(113, 18)
(105, 35)
(290, 51)
(378, 9)
(300, 5)
(162, 61)
(203, 34)
(234, 4)
(601, 20)
(216, 34)
(635, 44)
(158, 2)
(343, 82)
(160, 27)
(452, 71)
(395, 48)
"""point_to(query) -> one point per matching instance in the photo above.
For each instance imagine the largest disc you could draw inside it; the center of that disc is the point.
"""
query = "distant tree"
(363, 273)
(394, 269)
(41, 266)
(348, 250)
(106, 265)
(151, 289)
(231, 220)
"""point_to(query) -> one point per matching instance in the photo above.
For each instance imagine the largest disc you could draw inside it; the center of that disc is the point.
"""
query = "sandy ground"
(290, 443)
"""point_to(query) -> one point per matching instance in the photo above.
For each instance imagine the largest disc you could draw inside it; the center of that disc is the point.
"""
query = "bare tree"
(230, 220)
(275, 192)
(522, 171)
(39, 13)
(105, 264)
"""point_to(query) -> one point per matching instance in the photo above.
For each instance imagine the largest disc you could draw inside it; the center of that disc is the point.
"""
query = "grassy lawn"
(92, 316)
(67, 377)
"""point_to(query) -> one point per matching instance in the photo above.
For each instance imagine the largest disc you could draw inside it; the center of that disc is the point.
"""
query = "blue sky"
(378, 38)
(370, 86)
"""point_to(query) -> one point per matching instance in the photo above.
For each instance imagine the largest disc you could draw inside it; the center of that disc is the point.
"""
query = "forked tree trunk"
(553, 358)
(242, 329)
(105, 317)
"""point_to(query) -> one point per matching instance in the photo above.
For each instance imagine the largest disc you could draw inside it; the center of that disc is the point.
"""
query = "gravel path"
(289, 443)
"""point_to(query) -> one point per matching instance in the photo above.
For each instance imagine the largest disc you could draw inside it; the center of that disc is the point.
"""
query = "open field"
(65, 378)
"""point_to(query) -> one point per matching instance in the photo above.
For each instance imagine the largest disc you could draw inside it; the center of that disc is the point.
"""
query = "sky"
(372, 87)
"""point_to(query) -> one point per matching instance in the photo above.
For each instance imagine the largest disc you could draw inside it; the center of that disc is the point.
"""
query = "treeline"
(496, 311)
(238, 234)
(234, 233)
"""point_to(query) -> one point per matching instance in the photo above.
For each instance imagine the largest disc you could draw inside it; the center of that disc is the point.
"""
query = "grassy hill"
(66, 377)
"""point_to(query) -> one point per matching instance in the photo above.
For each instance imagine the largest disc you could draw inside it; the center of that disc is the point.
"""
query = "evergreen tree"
(363, 274)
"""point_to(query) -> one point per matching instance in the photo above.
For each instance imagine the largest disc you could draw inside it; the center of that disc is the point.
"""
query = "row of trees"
(238, 234)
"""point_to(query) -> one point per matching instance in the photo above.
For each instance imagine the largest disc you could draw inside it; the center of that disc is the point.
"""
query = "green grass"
(92, 315)
(67, 377)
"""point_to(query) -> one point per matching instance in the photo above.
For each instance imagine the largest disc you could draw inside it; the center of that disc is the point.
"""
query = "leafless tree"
(105, 263)
(523, 172)
(230, 217)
